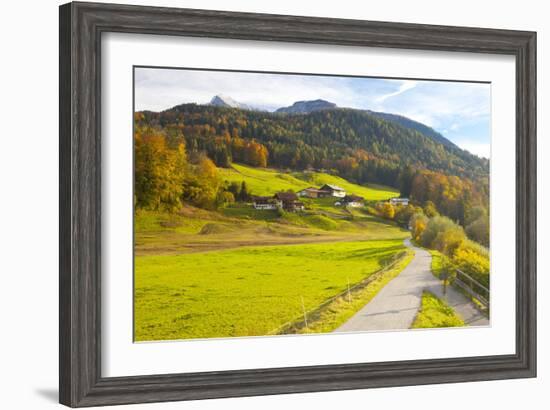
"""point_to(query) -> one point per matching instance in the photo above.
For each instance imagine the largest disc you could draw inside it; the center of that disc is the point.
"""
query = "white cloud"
(405, 86)
(478, 148)
(161, 89)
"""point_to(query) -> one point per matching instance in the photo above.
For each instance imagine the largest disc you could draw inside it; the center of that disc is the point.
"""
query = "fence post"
(304, 310)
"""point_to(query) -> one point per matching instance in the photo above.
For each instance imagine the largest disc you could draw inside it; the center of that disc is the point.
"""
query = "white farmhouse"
(334, 190)
(399, 201)
(265, 202)
(353, 201)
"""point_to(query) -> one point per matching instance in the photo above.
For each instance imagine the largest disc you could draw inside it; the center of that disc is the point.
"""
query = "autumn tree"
(159, 171)
(388, 210)
(418, 224)
(244, 195)
(202, 184)
(479, 231)
(430, 210)
(403, 214)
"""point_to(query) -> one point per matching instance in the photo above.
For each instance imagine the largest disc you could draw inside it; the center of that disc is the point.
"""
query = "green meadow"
(263, 181)
(238, 271)
(248, 291)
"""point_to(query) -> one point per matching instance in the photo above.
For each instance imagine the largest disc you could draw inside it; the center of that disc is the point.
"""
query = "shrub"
(473, 259)
(418, 224)
(387, 211)
(403, 214)
(435, 234)
(280, 212)
(449, 240)
(224, 197)
(478, 230)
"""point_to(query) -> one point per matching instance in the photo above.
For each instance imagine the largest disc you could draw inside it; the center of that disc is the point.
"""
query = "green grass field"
(434, 312)
(344, 307)
(269, 181)
(196, 230)
(246, 291)
(262, 181)
(370, 193)
(238, 271)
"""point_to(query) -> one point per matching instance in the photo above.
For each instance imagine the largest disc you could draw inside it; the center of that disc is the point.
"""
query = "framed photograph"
(260, 204)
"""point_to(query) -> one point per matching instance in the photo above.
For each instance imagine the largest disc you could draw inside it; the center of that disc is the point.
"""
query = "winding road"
(396, 305)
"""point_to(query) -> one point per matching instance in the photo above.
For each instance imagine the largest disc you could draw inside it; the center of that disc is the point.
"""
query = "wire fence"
(473, 288)
(309, 316)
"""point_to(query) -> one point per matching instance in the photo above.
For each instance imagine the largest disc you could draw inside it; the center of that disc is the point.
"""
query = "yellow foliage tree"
(388, 211)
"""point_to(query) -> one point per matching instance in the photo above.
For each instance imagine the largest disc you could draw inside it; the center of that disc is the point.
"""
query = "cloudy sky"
(460, 111)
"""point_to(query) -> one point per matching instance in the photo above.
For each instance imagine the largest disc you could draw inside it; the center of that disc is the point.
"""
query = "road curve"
(396, 305)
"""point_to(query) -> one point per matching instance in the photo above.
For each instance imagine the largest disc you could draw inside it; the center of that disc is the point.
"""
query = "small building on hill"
(352, 201)
(334, 190)
(293, 206)
(265, 203)
(313, 193)
(288, 201)
(399, 201)
(285, 196)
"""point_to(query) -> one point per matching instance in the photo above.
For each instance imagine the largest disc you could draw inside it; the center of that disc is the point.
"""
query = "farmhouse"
(334, 190)
(293, 206)
(352, 201)
(313, 193)
(265, 202)
(399, 201)
(288, 201)
(285, 196)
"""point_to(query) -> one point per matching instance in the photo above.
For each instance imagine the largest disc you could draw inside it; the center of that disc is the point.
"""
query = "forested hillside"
(358, 143)
(360, 146)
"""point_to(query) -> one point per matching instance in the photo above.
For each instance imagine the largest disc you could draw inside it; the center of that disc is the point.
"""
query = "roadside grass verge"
(434, 312)
(437, 262)
(330, 316)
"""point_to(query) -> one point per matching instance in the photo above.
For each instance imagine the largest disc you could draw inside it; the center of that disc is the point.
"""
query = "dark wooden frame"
(81, 27)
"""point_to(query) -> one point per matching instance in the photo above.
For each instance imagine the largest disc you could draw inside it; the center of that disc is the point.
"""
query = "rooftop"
(286, 196)
(334, 187)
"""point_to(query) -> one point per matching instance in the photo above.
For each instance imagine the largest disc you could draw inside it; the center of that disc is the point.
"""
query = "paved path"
(397, 304)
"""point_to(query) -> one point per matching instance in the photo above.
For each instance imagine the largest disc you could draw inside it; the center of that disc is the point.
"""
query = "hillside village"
(290, 201)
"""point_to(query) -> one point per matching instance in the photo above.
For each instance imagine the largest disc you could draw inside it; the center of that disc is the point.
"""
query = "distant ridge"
(305, 107)
(225, 101)
(319, 105)
(415, 125)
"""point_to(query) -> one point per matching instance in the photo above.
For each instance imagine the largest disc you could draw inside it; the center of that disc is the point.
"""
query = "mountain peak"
(304, 107)
(221, 100)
